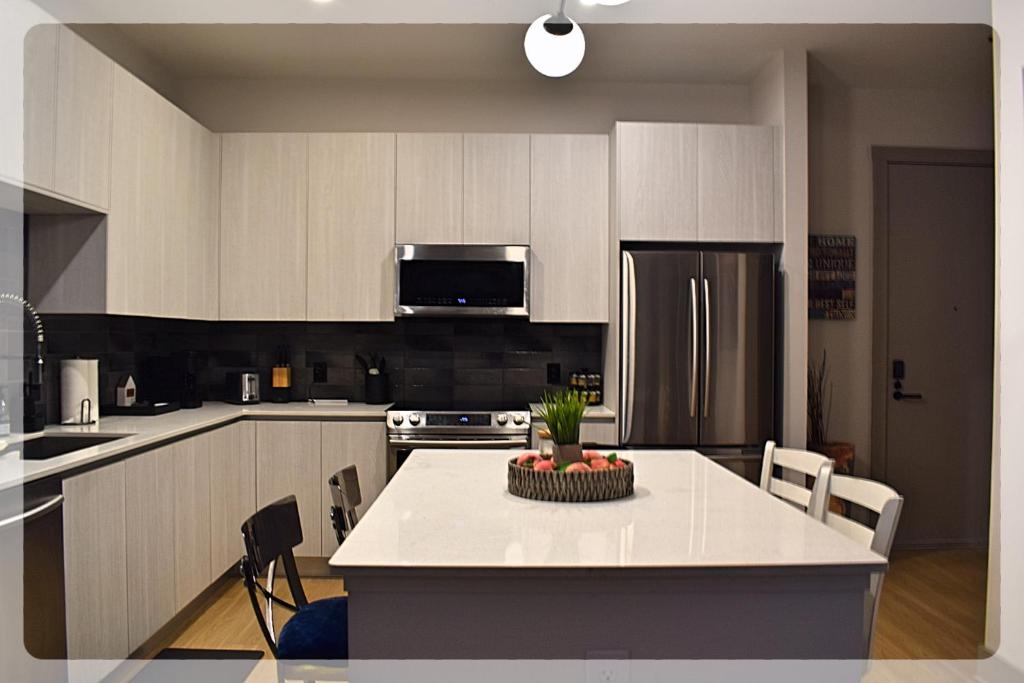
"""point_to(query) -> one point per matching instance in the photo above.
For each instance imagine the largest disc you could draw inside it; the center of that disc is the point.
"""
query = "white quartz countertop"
(600, 412)
(145, 431)
(450, 510)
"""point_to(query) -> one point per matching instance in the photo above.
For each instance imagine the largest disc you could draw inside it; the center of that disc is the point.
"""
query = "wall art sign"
(832, 272)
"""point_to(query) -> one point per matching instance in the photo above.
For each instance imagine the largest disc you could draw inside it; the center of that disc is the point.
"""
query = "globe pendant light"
(555, 44)
(606, 3)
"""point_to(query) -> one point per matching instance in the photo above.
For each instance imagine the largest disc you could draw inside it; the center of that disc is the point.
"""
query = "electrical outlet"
(320, 373)
(607, 666)
(554, 373)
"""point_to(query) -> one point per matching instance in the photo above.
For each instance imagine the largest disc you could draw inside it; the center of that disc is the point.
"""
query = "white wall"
(241, 105)
(844, 125)
(1008, 513)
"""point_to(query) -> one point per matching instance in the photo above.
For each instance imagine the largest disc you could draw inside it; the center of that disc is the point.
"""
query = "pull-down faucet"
(34, 418)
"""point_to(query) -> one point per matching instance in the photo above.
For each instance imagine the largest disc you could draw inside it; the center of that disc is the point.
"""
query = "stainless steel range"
(491, 427)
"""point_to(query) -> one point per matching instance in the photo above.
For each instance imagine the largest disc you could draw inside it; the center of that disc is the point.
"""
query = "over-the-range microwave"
(462, 280)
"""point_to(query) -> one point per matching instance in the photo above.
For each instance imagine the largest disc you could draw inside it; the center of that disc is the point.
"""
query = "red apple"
(619, 464)
(544, 466)
(526, 458)
(600, 464)
(578, 467)
(590, 455)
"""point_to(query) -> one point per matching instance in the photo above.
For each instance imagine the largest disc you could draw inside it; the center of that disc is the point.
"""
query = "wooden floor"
(933, 607)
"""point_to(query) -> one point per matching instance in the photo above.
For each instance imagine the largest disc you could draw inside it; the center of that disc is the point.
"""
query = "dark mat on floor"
(177, 664)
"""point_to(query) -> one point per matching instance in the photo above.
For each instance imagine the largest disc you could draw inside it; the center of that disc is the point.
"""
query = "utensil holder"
(378, 389)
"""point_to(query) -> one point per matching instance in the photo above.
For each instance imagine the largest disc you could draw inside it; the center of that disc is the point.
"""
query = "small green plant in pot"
(563, 413)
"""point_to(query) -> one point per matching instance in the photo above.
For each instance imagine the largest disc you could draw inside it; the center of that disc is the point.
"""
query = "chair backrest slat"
(789, 491)
(805, 463)
(345, 497)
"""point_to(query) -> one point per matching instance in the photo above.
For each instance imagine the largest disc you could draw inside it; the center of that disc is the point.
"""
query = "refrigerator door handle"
(629, 362)
(694, 354)
(707, 348)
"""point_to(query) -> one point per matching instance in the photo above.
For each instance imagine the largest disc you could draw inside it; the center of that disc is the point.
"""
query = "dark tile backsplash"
(428, 360)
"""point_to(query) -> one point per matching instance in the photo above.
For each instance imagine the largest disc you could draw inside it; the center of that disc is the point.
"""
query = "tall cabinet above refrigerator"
(698, 349)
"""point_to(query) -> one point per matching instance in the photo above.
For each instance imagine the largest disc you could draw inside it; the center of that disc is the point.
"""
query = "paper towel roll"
(79, 380)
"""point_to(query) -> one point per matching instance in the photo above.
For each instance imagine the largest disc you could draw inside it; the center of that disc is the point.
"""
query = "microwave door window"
(485, 284)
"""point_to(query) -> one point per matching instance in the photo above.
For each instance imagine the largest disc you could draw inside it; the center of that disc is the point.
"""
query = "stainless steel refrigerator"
(698, 349)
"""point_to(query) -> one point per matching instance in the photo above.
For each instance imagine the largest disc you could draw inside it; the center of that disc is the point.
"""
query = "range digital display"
(459, 420)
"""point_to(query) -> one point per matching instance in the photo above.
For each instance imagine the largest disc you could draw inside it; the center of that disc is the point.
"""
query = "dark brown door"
(938, 342)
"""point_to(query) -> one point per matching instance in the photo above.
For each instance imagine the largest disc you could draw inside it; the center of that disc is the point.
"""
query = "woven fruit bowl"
(531, 476)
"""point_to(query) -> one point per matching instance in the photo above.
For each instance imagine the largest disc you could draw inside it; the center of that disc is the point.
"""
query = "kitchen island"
(698, 564)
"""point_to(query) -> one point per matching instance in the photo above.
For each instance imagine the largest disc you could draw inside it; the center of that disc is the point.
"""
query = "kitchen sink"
(46, 447)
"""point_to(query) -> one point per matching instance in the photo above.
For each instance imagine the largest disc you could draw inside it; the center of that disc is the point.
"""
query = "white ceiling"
(882, 56)
(518, 11)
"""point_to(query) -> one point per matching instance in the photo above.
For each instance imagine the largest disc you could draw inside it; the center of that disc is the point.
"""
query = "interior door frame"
(882, 158)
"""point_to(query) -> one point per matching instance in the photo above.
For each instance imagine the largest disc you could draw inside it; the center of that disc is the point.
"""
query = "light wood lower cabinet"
(149, 502)
(95, 564)
(233, 491)
(192, 571)
(288, 464)
(363, 444)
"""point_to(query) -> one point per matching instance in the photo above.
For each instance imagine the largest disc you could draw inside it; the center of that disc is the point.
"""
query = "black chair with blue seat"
(313, 643)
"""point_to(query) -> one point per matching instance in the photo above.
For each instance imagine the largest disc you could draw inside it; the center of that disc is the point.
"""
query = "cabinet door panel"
(84, 114)
(569, 233)
(263, 226)
(149, 515)
(429, 188)
(363, 444)
(233, 491)
(288, 463)
(497, 189)
(351, 227)
(737, 183)
(40, 121)
(192, 573)
(656, 179)
(95, 564)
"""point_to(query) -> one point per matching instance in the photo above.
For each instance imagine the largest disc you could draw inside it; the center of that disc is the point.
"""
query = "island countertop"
(450, 510)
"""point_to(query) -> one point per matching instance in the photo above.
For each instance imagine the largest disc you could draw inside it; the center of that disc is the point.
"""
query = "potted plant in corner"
(819, 415)
(563, 414)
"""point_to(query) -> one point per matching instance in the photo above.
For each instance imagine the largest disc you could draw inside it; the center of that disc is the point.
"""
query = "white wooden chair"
(813, 500)
(888, 504)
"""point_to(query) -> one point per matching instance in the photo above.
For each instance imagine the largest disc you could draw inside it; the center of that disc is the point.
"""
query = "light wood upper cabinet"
(40, 105)
(363, 444)
(192, 572)
(429, 188)
(150, 532)
(263, 226)
(85, 78)
(203, 264)
(656, 181)
(95, 564)
(288, 464)
(351, 274)
(233, 491)
(570, 232)
(496, 189)
(736, 183)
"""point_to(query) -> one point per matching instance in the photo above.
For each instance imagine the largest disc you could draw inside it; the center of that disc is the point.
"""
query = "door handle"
(694, 355)
(900, 396)
(32, 514)
(629, 362)
(707, 348)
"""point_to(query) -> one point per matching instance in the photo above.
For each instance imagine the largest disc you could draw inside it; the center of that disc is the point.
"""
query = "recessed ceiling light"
(323, 2)
(555, 45)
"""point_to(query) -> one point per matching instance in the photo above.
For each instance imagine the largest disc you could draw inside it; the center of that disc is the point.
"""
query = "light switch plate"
(607, 666)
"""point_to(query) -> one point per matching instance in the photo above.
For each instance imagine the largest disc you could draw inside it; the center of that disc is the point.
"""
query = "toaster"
(242, 388)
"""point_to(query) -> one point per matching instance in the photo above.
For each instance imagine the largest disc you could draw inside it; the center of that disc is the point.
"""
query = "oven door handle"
(459, 443)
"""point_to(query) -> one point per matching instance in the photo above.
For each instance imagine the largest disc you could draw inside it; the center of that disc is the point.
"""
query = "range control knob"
(397, 420)
(502, 419)
(518, 419)
(414, 419)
